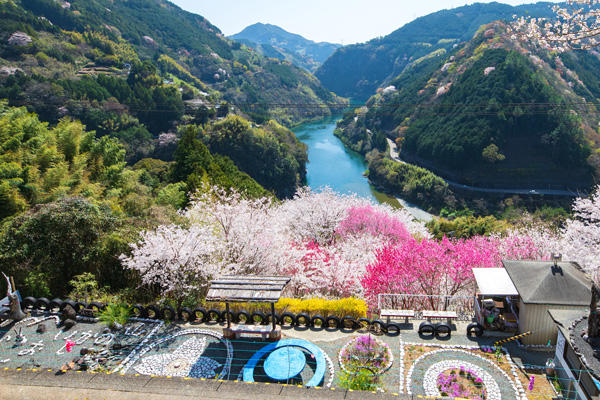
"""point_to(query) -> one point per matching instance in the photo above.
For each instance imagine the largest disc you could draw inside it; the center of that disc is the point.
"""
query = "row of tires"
(257, 317)
(43, 304)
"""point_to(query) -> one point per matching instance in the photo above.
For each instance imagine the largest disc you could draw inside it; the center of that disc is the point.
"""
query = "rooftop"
(242, 289)
(540, 282)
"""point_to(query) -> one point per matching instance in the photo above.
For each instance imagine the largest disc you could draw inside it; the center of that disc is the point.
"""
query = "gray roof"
(249, 288)
(539, 282)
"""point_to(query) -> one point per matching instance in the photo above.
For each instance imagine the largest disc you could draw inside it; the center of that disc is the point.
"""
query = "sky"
(336, 21)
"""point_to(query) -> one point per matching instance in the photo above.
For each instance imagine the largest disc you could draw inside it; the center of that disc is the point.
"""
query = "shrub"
(351, 306)
(115, 313)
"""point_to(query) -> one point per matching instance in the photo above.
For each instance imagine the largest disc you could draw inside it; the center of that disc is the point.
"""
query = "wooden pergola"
(247, 289)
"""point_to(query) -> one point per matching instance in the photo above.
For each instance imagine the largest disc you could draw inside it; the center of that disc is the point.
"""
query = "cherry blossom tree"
(575, 26)
(580, 239)
(367, 219)
(177, 260)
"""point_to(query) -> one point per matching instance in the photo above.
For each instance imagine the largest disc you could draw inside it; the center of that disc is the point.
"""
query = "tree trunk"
(594, 318)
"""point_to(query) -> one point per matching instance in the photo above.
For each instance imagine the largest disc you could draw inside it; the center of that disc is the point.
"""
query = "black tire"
(363, 323)
(333, 322)
(270, 319)
(55, 304)
(317, 321)
(232, 316)
(168, 313)
(153, 312)
(214, 315)
(80, 305)
(393, 329)
(303, 319)
(475, 329)
(243, 317)
(68, 302)
(185, 314)
(442, 329)
(258, 317)
(287, 318)
(97, 306)
(139, 311)
(28, 302)
(426, 328)
(42, 304)
(379, 326)
(200, 314)
(348, 322)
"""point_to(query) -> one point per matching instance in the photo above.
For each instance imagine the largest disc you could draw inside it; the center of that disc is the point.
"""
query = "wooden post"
(273, 315)
(228, 316)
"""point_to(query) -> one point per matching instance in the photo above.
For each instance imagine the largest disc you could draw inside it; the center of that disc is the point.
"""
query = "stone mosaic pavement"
(197, 350)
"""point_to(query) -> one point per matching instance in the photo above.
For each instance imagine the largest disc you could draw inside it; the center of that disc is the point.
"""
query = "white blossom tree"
(575, 26)
(580, 239)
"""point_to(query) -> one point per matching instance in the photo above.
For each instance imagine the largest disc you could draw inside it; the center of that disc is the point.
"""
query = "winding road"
(532, 192)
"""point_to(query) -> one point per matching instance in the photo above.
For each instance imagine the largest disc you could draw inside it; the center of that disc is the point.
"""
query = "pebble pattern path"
(419, 370)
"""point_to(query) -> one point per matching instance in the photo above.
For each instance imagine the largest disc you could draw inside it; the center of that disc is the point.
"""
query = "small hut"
(248, 289)
(543, 286)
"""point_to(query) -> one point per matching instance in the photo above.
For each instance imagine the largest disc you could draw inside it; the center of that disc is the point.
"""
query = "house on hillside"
(518, 296)
(545, 285)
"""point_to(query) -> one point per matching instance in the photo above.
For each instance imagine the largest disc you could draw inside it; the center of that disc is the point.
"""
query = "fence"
(462, 305)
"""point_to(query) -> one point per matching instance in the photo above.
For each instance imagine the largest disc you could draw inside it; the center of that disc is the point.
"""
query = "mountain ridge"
(274, 41)
(356, 71)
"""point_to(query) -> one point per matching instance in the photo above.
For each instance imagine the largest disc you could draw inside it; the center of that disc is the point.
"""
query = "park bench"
(392, 314)
(263, 330)
(448, 315)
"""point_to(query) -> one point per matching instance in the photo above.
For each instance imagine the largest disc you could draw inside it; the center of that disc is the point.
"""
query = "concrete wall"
(535, 318)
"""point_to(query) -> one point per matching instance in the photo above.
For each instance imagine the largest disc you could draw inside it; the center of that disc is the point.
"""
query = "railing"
(462, 305)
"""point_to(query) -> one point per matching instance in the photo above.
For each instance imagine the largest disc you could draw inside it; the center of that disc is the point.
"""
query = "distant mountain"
(356, 71)
(273, 41)
(493, 112)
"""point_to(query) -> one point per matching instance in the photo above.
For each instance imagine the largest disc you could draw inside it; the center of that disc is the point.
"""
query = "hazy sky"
(340, 21)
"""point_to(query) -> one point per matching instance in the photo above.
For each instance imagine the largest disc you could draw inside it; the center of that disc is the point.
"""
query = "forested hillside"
(492, 113)
(356, 71)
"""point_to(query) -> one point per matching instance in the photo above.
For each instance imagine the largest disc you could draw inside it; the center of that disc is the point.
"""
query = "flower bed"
(461, 382)
(365, 353)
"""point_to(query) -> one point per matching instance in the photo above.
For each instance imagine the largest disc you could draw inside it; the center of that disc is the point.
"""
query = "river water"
(331, 164)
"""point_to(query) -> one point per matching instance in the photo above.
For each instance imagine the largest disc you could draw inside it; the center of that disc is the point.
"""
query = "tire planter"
(258, 317)
(379, 326)
(200, 315)
(42, 304)
(333, 322)
(270, 319)
(393, 329)
(287, 319)
(153, 312)
(363, 323)
(139, 311)
(28, 302)
(97, 306)
(185, 314)
(243, 317)
(382, 351)
(303, 320)
(348, 322)
(232, 316)
(318, 321)
(80, 305)
(426, 329)
(168, 313)
(68, 302)
(55, 304)
(475, 329)
(443, 329)
(214, 315)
